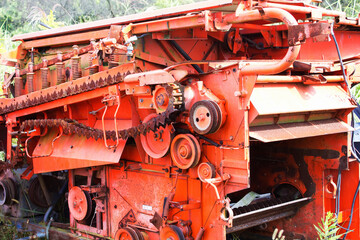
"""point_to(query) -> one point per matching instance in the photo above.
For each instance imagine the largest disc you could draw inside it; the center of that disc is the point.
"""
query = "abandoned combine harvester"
(204, 121)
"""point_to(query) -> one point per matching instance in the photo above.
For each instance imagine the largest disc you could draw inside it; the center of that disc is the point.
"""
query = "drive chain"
(71, 126)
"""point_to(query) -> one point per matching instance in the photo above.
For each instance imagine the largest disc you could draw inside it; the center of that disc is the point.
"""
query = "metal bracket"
(299, 33)
(110, 100)
(28, 173)
(230, 213)
(52, 145)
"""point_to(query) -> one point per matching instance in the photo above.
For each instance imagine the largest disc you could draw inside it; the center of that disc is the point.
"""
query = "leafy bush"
(328, 229)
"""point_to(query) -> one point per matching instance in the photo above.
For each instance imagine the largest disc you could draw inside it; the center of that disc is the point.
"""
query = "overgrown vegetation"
(328, 229)
(350, 7)
(23, 16)
(9, 231)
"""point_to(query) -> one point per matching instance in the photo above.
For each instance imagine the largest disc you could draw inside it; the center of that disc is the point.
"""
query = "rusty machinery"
(198, 122)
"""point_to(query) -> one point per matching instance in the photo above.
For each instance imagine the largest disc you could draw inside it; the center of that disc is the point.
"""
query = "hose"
(50, 209)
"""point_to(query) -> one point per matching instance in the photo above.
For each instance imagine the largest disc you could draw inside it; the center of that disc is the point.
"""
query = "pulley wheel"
(128, 233)
(160, 99)
(139, 234)
(171, 232)
(233, 42)
(80, 204)
(185, 151)
(206, 171)
(205, 117)
(156, 144)
(7, 191)
(36, 194)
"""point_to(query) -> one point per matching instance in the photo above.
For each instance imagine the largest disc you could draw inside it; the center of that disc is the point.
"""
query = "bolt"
(231, 138)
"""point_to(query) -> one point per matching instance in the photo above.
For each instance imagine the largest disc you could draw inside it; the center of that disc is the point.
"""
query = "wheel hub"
(185, 151)
(80, 203)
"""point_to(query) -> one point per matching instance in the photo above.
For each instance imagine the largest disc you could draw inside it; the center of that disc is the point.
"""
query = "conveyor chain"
(70, 126)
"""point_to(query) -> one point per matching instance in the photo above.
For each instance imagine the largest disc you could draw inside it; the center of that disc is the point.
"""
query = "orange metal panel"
(280, 132)
(80, 37)
(272, 99)
(73, 151)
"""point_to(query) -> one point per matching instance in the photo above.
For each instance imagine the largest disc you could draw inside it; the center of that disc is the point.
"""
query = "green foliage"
(13, 17)
(9, 231)
(23, 16)
(171, 3)
(328, 229)
(350, 7)
(37, 17)
(355, 91)
(6, 45)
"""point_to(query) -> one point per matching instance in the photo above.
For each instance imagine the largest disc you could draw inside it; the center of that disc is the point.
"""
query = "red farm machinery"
(217, 120)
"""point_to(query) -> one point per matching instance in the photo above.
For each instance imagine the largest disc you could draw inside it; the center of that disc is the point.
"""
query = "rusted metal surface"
(287, 131)
(56, 60)
(85, 84)
(171, 103)
(272, 99)
(264, 212)
(299, 33)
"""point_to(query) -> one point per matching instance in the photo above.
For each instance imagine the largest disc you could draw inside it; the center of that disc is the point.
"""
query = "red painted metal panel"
(296, 98)
(287, 131)
(73, 151)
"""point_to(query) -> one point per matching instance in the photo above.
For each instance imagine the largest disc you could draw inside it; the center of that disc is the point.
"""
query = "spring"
(44, 78)
(18, 86)
(60, 73)
(30, 82)
(114, 60)
(93, 70)
(75, 67)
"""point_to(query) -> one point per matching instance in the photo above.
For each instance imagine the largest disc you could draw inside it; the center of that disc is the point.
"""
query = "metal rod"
(292, 79)
(44, 189)
(185, 55)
